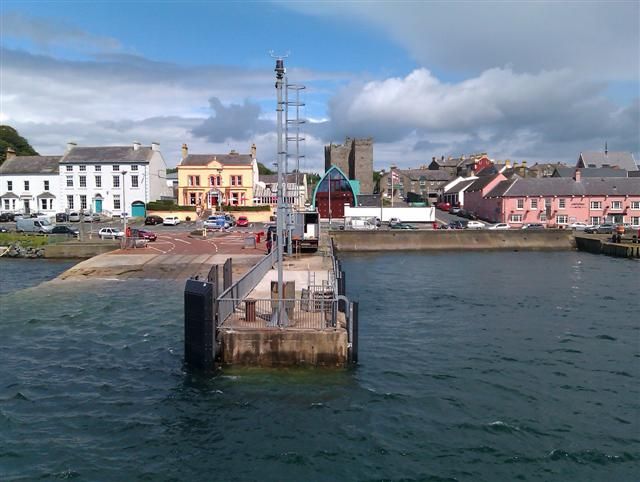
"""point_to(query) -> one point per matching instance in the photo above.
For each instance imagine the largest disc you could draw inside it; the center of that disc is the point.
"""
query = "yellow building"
(211, 180)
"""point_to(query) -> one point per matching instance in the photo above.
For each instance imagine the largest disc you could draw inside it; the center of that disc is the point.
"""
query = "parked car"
(533, 226)
(110, 233)
(476, 225)
(606, 228)
(394, 221)
(171, 221)
(403, 226)
(3, 229)
(6, 217)
(144, 234)
(37, 215)
(31, 225)
(62, 218)
(90, 217)
(243, 222)
(578, 226)
(74, 217)
(454, 210)
(444, 206)
(153, 220)
(64, 230)
(591, 229)
(217, 222)
(458, 224)
(499, 226)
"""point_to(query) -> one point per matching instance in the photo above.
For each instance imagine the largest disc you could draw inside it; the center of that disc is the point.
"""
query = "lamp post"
(124, 208)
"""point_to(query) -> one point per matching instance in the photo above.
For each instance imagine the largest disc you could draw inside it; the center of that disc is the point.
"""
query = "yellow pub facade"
(211, 180)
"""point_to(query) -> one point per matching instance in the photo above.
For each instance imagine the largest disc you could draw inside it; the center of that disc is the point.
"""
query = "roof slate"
(460, 186)
(562, 186)
(31, 165)
(591, 172)
(623, 160)
(107, 154)
(224, 159)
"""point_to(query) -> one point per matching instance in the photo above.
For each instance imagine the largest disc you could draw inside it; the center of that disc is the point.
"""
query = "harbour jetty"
(598, 245)
(455, 239)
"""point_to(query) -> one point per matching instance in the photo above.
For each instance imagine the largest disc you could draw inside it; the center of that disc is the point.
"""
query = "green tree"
(264, 170)
(9, 137)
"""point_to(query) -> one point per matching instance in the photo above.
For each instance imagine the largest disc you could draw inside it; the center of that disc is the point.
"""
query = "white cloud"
(597, 39)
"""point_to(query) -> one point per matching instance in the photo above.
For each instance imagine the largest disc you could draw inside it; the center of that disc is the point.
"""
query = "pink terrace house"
(556, 202)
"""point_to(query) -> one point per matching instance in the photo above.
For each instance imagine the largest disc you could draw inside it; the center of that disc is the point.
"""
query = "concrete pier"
(601, 245)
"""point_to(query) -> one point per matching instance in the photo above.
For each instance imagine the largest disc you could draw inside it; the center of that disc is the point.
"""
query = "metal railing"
(313, 313)
(233, 296)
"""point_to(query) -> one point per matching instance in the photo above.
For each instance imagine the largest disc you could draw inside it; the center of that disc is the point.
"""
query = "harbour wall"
(78, 249)
(454, 239)
(602, 246)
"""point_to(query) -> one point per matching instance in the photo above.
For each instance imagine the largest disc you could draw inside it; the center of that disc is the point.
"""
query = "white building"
(265, 190)
(112, 179)
(30, 184)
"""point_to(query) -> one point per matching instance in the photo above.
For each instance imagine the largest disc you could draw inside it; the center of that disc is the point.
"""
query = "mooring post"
(199, 329)
(353, 333)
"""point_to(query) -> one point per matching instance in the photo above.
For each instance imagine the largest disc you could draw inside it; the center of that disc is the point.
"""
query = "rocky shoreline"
(16, 250)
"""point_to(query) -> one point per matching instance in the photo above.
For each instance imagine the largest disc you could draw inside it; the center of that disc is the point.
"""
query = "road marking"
(182, 241)
(153, 247)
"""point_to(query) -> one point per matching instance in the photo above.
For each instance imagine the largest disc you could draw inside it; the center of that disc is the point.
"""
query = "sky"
(536, 81)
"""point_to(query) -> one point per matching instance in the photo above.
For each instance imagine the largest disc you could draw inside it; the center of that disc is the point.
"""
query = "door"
(27, 207)
(137, 209)
(98, 205)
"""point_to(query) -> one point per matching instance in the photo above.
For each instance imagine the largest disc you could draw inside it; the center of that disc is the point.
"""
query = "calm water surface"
(478, 366)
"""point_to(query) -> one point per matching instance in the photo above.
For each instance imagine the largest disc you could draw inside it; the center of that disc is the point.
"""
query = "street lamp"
(124, 208)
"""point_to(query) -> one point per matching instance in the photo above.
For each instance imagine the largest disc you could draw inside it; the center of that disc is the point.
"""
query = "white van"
(33, 225)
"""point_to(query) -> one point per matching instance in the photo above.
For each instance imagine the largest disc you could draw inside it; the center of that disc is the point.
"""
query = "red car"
(242, 222)
(443, 206)
(148, 235)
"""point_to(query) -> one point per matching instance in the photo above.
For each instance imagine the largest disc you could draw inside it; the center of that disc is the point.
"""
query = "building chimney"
(155, 146)
(433, 159)
(253, 150)
(11, 153)
(577, 177)
(442, 158)
(185, 151)
(507, 163)
(70, 145)
(136, 145)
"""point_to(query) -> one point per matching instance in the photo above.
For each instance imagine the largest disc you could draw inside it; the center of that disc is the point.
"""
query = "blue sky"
(517, 80)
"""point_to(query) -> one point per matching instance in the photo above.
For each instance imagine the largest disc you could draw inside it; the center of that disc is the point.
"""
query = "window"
(116, 201)
(134, 181)
(635, 220)
(562, 203)
(83, 181)
(26, 185)
(116, 167)
(116, 181)
(6, 204)
(634, 204)
(9, 185)
(595, 205)
(98, 168)
(389, 180)
(562, 219)
(534, 204)
(43, 204)
(98, 181)
(617, 205)
(70, 201)
(520, 204)
(134, 167)
(46, 185)
(236, 180)
(543, 217)
(547, 203)
(234, 198)
(215, 180)
(83, 201)
(594, 220)
(192, 198)
(69, 181)
(515, 218)
(69, 168)
(83, 168)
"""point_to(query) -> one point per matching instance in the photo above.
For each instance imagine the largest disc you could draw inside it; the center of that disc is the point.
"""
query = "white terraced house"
(113, 179)
(29, 184)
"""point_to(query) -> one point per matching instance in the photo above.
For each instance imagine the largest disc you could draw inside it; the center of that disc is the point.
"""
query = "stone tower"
(355, 159)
